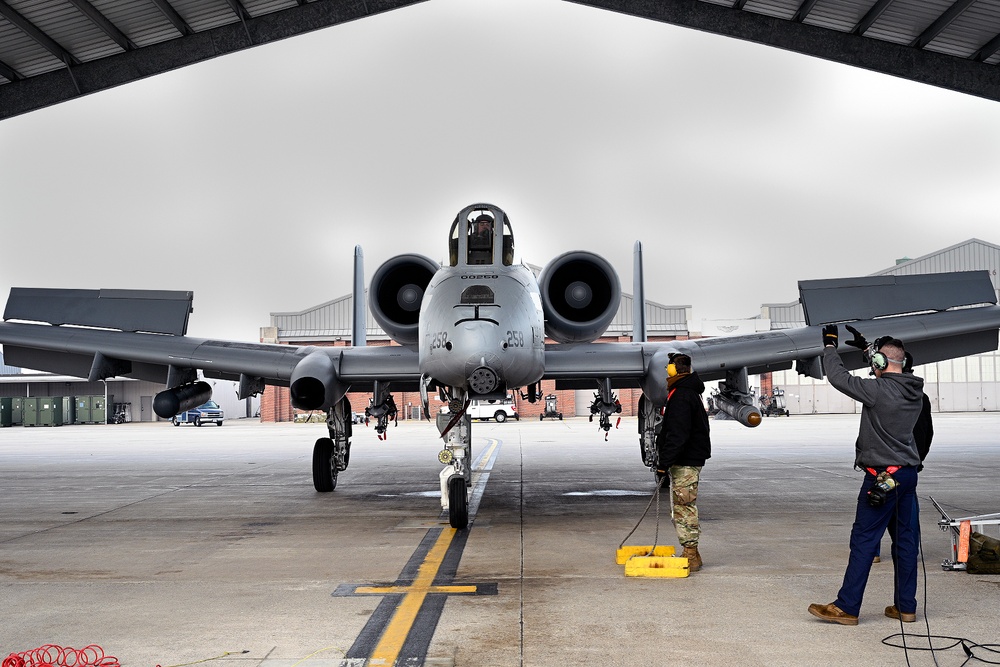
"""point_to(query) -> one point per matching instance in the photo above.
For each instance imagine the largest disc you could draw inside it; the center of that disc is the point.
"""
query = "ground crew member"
(886, 451)
(683, 445)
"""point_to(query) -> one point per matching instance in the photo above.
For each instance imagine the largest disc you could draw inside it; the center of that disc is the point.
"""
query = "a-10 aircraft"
(476, 328)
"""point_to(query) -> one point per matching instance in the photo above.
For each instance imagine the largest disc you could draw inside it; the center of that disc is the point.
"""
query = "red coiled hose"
(51, 655)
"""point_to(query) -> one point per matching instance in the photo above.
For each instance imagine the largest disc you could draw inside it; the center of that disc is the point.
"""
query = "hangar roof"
(54, 50)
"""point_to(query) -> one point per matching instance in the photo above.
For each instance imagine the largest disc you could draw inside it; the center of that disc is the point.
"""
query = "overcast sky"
(250, 178)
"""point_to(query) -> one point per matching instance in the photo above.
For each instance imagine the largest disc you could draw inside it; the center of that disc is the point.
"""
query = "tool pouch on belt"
(984, 555)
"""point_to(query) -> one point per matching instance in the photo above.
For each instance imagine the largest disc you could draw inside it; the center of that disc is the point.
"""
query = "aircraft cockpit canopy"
(475, 236)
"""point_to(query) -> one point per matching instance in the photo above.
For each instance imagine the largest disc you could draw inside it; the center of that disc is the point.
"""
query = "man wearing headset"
(886, 451)
(682, 446)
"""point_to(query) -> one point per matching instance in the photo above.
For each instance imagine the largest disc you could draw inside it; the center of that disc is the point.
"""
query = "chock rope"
(51, 655)
(656, 534)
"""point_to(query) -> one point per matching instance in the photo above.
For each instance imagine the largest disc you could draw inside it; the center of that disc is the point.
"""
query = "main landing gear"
(331, 455)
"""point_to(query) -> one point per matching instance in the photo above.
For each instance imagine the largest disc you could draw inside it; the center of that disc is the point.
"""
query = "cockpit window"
(508, 243)
(480, 231)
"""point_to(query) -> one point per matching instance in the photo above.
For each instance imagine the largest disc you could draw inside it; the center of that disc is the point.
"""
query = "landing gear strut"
(332, 454)
(456, 430)
(650, 417)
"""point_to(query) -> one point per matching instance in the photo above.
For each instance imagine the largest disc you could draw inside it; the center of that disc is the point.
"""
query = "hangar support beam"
(907, 62)
(27, 94)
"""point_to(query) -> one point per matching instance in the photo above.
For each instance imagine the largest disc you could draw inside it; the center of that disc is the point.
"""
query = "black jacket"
(683, 439)
(923, 430)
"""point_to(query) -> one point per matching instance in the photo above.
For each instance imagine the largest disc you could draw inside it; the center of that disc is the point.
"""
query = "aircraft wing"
(148, 343)
(930, 335)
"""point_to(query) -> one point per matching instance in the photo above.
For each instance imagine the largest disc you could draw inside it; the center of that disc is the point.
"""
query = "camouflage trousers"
(684, 494)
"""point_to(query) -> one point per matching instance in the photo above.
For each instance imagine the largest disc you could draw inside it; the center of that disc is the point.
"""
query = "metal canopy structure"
(55, 50)
(953, 44)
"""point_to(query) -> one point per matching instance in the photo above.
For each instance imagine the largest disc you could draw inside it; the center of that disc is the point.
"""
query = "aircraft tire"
(175, 422)
(458, 503)
(324, 471)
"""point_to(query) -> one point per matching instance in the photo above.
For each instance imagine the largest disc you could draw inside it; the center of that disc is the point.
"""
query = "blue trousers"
(898, 514)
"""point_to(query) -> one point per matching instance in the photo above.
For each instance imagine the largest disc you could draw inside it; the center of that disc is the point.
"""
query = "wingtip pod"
(314, 384)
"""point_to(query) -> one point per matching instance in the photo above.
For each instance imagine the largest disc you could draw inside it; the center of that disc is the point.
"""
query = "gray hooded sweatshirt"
(891, 405)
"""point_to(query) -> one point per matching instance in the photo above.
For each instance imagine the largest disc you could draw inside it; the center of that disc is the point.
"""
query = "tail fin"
(638, 297)
(359, 334)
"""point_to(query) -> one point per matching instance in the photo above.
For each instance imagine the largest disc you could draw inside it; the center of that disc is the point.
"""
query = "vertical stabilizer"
(359, 334)
(638, 297)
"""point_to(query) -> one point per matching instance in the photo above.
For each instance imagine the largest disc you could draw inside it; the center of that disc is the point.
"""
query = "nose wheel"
(458, 502)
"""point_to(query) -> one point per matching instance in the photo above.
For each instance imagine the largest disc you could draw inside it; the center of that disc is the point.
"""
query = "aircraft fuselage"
(482, 329)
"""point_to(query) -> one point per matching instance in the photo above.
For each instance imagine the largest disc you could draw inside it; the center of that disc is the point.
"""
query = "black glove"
(858, 341)
(830, 335)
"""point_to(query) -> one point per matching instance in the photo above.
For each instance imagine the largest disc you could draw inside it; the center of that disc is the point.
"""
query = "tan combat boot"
(694, 558)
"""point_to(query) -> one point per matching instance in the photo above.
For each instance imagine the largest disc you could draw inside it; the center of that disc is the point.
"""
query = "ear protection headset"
(879, 361)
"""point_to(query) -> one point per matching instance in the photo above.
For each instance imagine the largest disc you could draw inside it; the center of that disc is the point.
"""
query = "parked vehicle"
(206, 413)
(499, 410)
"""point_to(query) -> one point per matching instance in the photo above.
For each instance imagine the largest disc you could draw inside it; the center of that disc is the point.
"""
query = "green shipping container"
(50, 411)
(98, 410)
(17, 411)
(68, 410)
(6, 408)
(89, 410)
(30, 416)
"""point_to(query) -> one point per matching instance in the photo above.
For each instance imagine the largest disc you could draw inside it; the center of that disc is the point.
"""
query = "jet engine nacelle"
(580, 296)
(170, 402)
(314, 384)
(395, 294)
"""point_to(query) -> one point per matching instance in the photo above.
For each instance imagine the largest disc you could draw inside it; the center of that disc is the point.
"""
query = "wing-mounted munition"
(476, 327)
(736, 399)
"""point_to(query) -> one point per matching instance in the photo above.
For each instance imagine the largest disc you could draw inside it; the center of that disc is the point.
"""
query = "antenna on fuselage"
(638, 297)
(359, 334)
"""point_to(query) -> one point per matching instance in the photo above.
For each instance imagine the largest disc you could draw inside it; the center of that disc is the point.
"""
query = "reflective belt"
(891, 470)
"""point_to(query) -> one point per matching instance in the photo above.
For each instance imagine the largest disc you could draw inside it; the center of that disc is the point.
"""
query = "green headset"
(879, 361)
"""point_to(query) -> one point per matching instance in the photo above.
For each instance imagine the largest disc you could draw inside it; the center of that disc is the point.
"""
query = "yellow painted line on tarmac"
(405, 615)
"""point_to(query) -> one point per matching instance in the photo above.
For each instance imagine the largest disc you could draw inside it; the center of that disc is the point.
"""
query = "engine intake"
(396, 292)
(314, 384)
(580, 296)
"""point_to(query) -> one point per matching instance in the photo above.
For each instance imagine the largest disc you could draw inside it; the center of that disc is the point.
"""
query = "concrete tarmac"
(169, 545)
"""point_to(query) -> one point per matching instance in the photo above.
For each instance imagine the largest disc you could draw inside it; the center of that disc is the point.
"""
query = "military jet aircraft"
(476, 328)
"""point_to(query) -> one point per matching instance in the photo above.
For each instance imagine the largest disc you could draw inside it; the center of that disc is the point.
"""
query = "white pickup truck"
(501, 410)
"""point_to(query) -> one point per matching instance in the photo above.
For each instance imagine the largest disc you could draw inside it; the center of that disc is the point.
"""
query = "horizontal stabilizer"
(846, 299)
(152, 311)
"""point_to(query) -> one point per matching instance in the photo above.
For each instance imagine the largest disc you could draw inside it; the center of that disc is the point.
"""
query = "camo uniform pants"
(684, 492)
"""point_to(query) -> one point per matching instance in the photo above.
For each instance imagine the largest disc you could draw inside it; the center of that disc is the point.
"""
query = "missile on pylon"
(745, 414)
